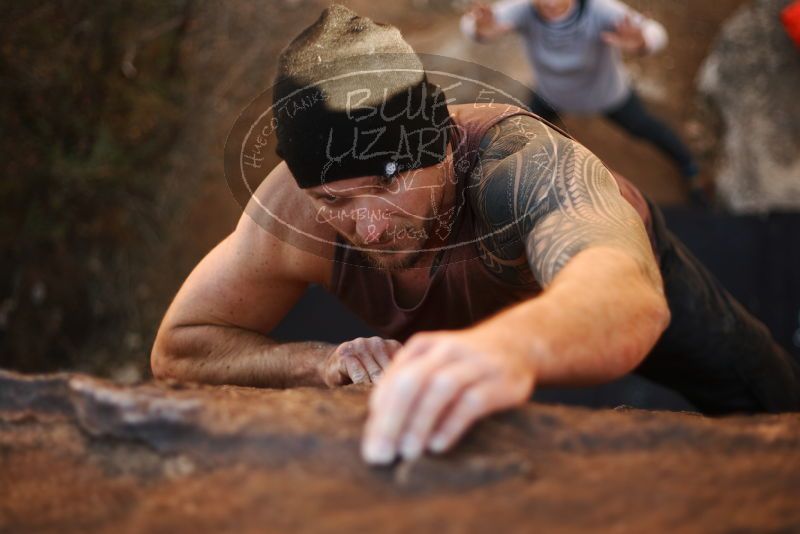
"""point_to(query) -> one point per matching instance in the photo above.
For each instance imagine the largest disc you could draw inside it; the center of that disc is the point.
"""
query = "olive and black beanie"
(352, 99)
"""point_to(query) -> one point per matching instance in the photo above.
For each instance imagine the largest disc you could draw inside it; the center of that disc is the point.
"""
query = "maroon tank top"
(462, 290)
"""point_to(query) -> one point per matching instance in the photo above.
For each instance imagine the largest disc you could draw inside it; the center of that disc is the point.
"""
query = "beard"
(405, 255)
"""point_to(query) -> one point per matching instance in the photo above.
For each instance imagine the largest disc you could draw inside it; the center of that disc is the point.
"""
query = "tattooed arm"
(548, 198)
(554, 213)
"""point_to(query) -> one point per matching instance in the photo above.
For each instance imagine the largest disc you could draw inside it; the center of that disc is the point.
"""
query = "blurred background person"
(574, 48)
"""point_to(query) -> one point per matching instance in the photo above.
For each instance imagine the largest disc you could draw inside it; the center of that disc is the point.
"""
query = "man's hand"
(360, 361)
(439, 384)
(628, 37)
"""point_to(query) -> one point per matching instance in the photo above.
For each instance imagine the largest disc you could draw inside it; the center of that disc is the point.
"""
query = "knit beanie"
(352, 99)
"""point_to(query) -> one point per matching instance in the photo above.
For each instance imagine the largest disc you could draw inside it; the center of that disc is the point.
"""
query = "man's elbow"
(663, 315)
(164, 362)
(660, 312)
(653, 319)
(660, 317)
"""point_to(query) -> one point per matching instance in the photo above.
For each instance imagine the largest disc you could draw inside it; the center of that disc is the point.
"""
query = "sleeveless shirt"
(462, 290)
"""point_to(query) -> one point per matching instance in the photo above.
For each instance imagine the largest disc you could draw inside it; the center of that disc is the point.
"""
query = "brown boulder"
(81, 454)
(752, 76)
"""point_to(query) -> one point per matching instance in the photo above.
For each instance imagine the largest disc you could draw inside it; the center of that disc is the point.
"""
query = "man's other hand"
(438, 385)
(359, 361)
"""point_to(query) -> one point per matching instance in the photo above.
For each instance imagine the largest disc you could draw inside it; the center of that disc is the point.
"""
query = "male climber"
(491, 252)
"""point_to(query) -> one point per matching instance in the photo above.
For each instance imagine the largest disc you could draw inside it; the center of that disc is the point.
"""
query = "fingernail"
(438, 444)
(410, 448)
(378, 452)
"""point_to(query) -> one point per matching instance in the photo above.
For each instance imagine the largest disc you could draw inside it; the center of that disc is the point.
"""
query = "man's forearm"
(228, 355)
(596, 321)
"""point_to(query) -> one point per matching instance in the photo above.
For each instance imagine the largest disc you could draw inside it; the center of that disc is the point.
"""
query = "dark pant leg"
(634, 118)
(715, 353)
(540, 107)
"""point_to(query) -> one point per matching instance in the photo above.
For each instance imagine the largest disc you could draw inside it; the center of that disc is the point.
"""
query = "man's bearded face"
(390, 217)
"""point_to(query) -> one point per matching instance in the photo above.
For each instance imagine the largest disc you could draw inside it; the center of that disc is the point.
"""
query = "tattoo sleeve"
(543, 198)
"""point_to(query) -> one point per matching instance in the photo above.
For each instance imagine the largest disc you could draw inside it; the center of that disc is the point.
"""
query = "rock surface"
(753, 77)
(79, 454)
